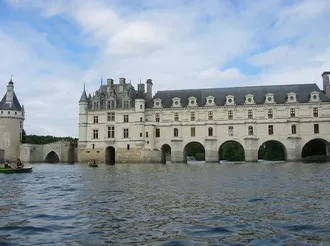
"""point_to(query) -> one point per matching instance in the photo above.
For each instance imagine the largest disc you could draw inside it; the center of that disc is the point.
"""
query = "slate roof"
(83, 97)
(15, 105)
(280, 94)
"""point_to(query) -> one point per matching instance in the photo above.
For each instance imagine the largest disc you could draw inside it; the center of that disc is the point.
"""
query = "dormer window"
(176, 102)
(269, 98)
(230, 100)
(157, 103)
(292, 97)
(192, 102)
(249, 99)
(210, 101)
(314, 96)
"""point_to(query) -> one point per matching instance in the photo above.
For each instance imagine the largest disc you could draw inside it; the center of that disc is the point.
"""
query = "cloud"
(57, 45)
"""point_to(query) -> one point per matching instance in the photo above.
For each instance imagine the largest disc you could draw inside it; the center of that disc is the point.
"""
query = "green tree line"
(36, 139)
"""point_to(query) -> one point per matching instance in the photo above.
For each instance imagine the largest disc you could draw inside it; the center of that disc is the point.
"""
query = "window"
(192, 116)
(230, 115)
(210, 131)
(93, 146)
(125, 132)
(292, 112)
(230, 131)
(111, 104)
(141, 134)
(141, 107)
(250, 114)
(270, 129)
(111, 132)
(147, 134)
(293, 129)
(210, 115)
(316, 128)
(95, 133)
(193, 132)
(157, 118)
(315, 112)
(270, 113)
(96, 119)
(157, 133)
(250, 130)
(176, 116)
(126, 118)
(176, 132)
(95, 105)
(127, 146)
(111, 116)
(141, 119)
(126, 104)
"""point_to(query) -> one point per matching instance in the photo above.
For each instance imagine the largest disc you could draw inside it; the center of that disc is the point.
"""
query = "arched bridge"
(57, 152)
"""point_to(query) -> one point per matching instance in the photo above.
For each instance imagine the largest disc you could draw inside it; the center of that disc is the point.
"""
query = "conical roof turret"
(83, 97)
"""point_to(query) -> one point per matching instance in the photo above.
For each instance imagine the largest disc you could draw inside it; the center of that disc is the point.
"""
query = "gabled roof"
(280, 94)
(14, 106)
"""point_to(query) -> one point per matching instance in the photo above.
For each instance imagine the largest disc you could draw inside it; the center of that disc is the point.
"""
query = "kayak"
(15, 170)
(92, 165)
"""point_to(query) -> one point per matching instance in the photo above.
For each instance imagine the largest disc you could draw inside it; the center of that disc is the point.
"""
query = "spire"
(11, 79)
(83, 97)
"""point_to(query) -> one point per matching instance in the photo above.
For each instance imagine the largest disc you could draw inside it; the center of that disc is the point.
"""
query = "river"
(173, 204)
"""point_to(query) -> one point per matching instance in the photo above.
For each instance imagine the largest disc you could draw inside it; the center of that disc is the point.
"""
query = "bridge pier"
(211, 151)
(251, 149)
(294, 149)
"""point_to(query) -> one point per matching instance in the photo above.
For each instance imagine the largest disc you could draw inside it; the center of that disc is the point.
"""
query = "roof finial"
(101, 80)
(11, 78)
(84, 86)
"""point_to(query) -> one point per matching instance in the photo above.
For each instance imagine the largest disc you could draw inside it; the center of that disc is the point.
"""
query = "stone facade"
(11, 124)
(138, 126)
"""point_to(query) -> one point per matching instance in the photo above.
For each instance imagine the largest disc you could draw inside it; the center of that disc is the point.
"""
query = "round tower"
(83, 104)
(11, 125)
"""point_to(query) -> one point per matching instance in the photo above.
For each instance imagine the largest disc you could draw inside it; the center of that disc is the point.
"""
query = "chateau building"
(11, 125)
(120, 124)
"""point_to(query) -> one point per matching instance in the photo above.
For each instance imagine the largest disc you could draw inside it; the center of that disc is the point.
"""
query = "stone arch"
(193, 151)
(110, 155)
(316, 150)
(52, 157)
(231, 150)
(272, 150)
(165, 153)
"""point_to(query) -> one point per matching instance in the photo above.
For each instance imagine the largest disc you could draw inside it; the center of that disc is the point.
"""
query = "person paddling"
(19, 164)
(7, 164)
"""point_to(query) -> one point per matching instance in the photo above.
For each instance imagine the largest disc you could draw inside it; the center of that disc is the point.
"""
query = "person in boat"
(7, 164)
(93, 161)
(19, 164)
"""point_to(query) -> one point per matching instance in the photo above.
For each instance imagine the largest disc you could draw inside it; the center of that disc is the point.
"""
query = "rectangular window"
(192, 116)
(141, 134)
(127, 146)
(141, 119)
(93, 146)
(111, 132)
(126, 118)
(293, 129)
(270, 130)
(111, 116)
(315, 112)
(147, 134)
(141, 107)
(316, 128)
(108, 105)
(157, 133)
(210, 115)
(157, 117)
(96, 105)
(270, 113)
(95, 119)
(230, 131)
(176, 116)
(230, 115)
(126, 104)
(250, 114)
(95, 134)
(193, 131)
(125, 133)
(292, 112)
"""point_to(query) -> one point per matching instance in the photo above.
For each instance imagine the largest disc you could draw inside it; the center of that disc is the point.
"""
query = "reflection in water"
(175, 204)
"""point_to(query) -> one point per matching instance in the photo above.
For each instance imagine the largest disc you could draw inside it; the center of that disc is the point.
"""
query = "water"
(175, 204)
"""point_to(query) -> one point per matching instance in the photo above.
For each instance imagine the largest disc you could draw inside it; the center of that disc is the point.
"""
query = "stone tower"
(11, 125)
(83, 104)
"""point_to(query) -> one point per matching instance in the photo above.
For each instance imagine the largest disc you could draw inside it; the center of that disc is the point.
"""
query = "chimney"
(326, 83)
(149, 88)
(141, 88)
(110, 82)
(122, 81)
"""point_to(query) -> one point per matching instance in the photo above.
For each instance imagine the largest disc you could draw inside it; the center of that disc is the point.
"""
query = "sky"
(53, 47)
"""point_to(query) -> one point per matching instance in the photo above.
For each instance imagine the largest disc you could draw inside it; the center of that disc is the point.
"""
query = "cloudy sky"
(53, 47)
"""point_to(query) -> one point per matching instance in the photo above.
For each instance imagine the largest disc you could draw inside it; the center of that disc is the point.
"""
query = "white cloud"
(178, 45)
